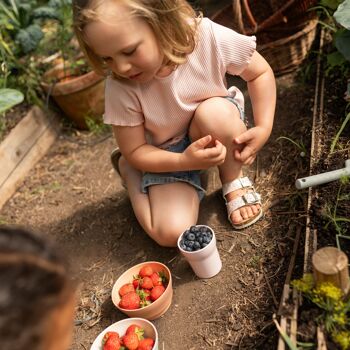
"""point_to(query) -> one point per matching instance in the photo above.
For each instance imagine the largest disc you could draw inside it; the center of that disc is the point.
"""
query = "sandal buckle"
(251, 197)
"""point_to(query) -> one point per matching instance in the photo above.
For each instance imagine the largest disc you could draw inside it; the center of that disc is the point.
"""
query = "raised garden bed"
(23, 147)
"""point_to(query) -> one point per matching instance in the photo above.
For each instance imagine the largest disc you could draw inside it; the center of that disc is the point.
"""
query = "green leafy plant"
(334, 308)
(23, 28)
(337, 20)
(331, 213)
(95, 126)
(341, 129)
(9, 98)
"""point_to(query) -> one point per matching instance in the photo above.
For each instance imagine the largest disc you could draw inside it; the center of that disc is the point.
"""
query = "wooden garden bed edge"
(23, 147)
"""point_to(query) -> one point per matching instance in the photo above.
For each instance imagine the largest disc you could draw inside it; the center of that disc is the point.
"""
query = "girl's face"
(127, 44)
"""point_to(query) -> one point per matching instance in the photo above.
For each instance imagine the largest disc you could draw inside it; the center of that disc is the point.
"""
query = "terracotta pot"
(78, 96)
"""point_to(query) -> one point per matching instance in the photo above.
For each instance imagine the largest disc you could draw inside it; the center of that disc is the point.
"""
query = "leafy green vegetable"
(342, 14)
(9, 98)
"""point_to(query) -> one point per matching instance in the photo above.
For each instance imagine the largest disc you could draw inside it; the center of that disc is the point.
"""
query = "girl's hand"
(199, 156)
(251, 141)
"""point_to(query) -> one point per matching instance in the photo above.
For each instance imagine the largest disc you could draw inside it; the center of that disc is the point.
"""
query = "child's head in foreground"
(150, 33)
(37, 297)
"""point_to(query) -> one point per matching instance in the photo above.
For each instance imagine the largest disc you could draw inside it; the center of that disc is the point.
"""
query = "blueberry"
(191, 237)
(196, 245)
(203, 245)
(186, 233)
(190, 244)
(206, 240)
(194, 229)
(200, 239)
(203, 229)
(189, 249)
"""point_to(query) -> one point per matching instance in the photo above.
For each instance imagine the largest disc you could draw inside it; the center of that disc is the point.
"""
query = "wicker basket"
(286, 54)
(282, 13)
(284, 47)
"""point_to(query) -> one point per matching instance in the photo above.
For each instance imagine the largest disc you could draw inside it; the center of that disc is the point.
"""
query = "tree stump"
(331, 265)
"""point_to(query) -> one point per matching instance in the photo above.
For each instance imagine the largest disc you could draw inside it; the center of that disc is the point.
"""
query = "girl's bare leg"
(166, 211)
(220, 118)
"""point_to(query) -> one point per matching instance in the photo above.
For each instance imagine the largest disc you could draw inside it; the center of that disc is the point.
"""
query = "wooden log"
(330, 264)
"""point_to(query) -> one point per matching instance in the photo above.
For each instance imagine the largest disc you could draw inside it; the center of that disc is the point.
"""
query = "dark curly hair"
(34, 281)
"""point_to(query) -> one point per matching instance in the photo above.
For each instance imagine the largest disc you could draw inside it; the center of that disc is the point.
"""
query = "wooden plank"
(27, 143)
(20, 140)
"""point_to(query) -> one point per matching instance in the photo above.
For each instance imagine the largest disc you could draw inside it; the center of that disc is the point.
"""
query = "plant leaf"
(332, 4)
(9, 98)
(342, 43)
(342, 14)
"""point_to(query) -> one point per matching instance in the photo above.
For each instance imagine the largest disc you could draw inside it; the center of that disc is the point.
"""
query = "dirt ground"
(74, 196)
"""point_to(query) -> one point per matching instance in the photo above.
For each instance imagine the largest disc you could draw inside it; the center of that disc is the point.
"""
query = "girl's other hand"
(201, 155)
(251, 141)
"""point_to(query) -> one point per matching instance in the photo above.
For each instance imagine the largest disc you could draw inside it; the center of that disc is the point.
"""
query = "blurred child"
(37, 296)
(170, 108)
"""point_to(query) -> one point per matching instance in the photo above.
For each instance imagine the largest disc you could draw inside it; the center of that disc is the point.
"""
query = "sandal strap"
(242, 182)
(250, 197)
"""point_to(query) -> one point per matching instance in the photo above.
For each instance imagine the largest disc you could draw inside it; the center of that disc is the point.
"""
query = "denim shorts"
(191, 177)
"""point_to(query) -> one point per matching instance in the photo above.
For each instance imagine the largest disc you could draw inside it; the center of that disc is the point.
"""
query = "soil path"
(74, 196)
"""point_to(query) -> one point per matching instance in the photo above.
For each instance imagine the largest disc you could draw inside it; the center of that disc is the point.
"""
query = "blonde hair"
(173, 22)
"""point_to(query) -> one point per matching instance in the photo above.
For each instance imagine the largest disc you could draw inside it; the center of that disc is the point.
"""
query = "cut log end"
(331, 265)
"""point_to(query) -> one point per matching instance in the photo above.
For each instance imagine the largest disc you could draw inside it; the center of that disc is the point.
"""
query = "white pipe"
(323, 178)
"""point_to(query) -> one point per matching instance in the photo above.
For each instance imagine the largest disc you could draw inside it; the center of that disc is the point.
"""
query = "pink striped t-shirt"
(166, 105)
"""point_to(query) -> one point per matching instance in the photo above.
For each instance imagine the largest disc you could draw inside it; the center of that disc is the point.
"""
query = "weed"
(341, 129)
(300, 145)
(255, 261)
(334, 306)
(96, 126)
(331, 214)
(51, 187)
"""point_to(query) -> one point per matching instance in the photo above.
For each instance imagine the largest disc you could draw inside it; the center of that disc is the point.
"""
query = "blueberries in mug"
(195, 238)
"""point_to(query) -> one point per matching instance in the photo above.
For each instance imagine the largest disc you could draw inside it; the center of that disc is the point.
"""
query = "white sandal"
(248, 198)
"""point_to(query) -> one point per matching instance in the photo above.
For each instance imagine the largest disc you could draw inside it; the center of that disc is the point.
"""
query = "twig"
(232, 246)
(171, 260)
(270, 289)
(240, 341)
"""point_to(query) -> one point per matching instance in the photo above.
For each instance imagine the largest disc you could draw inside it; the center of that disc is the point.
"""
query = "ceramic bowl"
(121, 327)
(159, 306)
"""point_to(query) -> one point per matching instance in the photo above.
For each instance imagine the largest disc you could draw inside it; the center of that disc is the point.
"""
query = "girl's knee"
(167, 236)
(215, 112)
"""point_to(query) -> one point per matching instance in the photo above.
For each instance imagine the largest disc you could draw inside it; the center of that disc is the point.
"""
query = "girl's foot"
(242, 202)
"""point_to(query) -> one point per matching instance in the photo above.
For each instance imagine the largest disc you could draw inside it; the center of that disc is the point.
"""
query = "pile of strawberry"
(145, 288)
(133, 339)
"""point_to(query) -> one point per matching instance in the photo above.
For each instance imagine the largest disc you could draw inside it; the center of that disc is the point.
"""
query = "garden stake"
(322, 178)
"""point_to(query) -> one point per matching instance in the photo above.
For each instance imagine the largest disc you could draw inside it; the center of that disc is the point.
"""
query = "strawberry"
(131, 341)
(156, 292)
(156, 279)
(146, 271)
(136, 281)
(109, 335)
(126, 288)
(146, 344)
(146, 283)
(130, 301)
(112, 342)
(145, 296)
(138, 330)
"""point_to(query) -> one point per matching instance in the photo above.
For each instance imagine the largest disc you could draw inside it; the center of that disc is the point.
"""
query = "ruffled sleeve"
(235, 49)
(122, 105)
